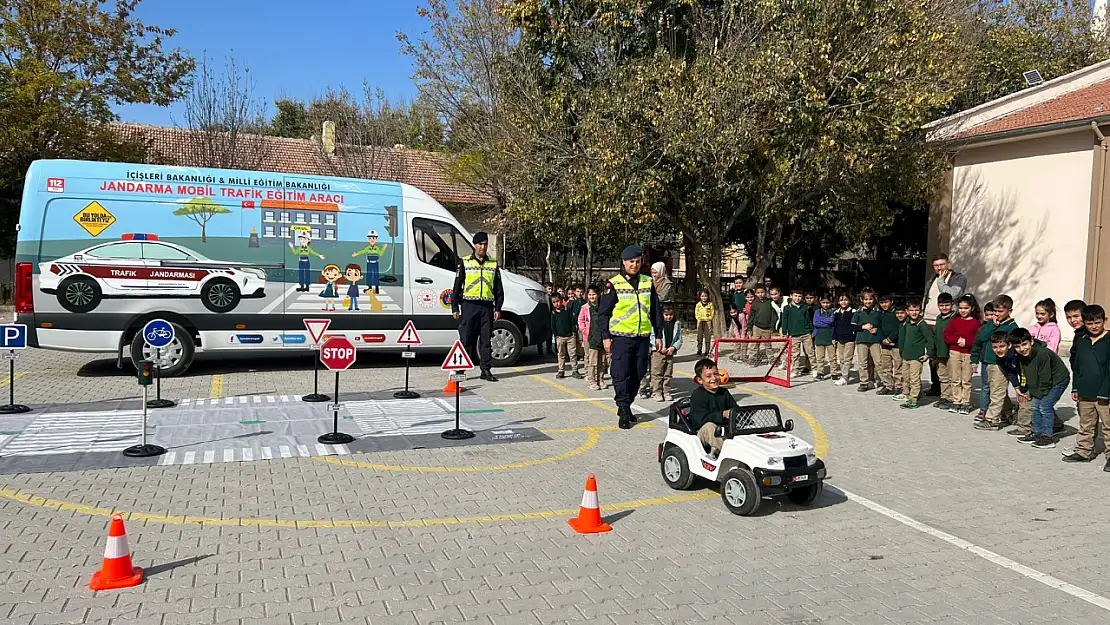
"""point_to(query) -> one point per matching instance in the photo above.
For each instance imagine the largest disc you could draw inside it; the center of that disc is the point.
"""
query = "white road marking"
(248, 454)
(278, 301)
(229, 400)
(243, 400)
(168, 458)
(322, 450)
(267, 454)
(190, 457)
(986, 554)
(303, 450)
(270, 399)
(209, 456)
(547, 401)
(285, 452)
(229, 455)
(257, 399)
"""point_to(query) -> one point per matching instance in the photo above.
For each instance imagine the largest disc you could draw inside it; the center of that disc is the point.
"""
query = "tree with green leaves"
(63, 64)
(201, 210)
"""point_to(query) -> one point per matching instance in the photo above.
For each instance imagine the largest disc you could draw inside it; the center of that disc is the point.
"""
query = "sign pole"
(143, 450)
(457, 434)
(335, 437)
(158, 402)
(406, 394)
(315, 396)
(12, 407)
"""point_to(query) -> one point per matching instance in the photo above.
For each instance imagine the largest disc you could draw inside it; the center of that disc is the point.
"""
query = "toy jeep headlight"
(811, 458)
(774, 461)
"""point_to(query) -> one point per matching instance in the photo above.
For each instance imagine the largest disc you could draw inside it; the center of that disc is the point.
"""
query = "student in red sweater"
(959, 335)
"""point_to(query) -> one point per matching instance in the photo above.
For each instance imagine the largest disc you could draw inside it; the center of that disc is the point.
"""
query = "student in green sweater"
(762, 320)
(1001, 408)
(1045, 380)
(1090, 387)
(868, 321)
(916, 344)
(564, 326)
(710, 406)
(983, 339)
(797, 323)
(945, 305)
(890, 362)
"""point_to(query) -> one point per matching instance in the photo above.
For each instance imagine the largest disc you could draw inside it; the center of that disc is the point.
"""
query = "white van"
(239, 259)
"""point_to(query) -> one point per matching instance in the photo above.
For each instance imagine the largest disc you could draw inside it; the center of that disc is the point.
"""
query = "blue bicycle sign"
(158, 333)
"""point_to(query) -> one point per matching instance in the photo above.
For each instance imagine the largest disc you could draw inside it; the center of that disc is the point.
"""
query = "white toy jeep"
(760, 458)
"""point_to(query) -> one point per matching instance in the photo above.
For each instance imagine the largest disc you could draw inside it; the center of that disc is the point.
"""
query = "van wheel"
(220, 296)
(506, 343)
(740, 492)
(79, 294)
(175, 357)
(675, 469)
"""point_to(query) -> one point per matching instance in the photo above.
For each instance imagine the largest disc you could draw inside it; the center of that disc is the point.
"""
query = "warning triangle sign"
(457, 359)
(408, 335)
(316, 328)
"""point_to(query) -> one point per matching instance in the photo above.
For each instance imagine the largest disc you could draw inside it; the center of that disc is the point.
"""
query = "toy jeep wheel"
(740, 492)
(804, 496)
(676, 471)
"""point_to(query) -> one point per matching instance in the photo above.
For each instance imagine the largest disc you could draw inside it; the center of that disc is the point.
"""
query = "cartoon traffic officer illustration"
(373, 253)
(302, 252)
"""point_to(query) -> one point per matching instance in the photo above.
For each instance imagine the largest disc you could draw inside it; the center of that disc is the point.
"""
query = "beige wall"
(1019, 222)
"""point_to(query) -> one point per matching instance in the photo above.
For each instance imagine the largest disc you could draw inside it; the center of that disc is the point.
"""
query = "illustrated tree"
(63, 64)
(201, 210)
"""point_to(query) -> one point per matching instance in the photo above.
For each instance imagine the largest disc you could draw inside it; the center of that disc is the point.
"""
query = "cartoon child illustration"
(353, 273)
(303, 252)
(330, 275)
(373, 253)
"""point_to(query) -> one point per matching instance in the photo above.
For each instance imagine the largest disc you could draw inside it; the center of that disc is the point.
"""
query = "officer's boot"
(625, 414)
(487, 375)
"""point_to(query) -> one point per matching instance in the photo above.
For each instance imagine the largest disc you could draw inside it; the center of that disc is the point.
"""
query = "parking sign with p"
(13, 336)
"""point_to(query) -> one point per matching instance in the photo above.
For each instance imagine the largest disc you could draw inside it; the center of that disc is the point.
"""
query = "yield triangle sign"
(408, 335)
(316, 328)
(457, 359)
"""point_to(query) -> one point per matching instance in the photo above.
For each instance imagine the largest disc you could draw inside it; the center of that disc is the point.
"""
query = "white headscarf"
(660, 269)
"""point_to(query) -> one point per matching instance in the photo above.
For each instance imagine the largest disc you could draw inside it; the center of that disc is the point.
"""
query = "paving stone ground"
(480, 535)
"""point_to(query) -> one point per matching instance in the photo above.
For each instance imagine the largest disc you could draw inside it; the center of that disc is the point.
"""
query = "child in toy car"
(710, 406)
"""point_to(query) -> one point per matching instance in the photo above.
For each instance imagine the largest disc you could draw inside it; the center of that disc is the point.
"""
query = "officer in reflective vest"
(476, 300)
(629, 313)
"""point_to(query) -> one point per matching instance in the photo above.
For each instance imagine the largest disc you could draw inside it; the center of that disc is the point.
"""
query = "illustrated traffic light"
(391, 221)
(146, 373)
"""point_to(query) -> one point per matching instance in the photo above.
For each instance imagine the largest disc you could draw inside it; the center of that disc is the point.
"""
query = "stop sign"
(337, 353)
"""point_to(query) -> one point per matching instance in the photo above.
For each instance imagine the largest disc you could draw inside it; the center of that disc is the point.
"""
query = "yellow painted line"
(18, 374)
(591, 440)
(217, 388)
(820, 440)
(184, 519)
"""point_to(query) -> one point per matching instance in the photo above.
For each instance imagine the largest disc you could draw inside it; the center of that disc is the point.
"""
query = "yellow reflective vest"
(478, 284)
(632, 312)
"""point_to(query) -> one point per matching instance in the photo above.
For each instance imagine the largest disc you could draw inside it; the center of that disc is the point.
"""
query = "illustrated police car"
(760, 458)
(140, 265)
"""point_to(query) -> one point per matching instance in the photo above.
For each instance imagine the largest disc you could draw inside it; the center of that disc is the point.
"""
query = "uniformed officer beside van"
(477, 299)
(629, 313)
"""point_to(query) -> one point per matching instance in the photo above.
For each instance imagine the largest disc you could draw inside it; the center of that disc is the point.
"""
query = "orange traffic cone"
(451, 385)
(589, 520)
(116, 572)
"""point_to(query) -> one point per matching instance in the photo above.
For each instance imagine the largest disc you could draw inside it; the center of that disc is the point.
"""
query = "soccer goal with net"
(754, 360)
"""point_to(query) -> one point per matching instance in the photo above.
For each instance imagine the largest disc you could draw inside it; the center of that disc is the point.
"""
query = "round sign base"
(457, 435)
(14, 409)
(336, 438)
(161, 403)
(406, 395)
(144, 451)
(315, 397)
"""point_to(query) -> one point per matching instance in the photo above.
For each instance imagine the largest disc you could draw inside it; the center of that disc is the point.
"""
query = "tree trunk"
(589, 259)
(203, 233)
(692, 253)
(547, 263)
(765, 245)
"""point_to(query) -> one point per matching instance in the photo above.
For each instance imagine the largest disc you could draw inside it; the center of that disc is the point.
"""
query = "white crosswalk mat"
(67, 432)
(402, 416)
(241, 400)
(248, 454)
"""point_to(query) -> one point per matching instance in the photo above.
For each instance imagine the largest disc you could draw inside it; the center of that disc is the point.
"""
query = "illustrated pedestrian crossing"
(311, 301)
(250, 454)
(242, 400)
